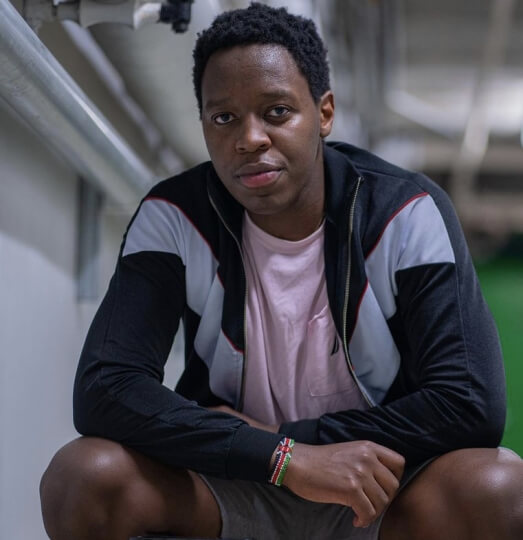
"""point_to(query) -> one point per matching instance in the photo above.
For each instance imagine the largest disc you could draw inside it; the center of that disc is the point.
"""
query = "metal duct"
(34, 83)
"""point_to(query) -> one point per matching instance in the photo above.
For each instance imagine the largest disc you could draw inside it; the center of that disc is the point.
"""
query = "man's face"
(263, 131)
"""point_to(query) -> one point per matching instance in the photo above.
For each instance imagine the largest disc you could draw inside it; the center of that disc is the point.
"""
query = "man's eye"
(223, 118)
(278, 112)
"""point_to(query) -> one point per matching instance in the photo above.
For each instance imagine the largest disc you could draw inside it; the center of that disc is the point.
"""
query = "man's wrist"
(280, 460)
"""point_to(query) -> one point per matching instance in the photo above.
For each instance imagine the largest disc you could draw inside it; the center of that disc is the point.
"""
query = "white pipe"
(34, 83)
(164, 155)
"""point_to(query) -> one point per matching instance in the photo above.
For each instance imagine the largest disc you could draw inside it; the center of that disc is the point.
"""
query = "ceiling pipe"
(34, 83)
(166, 161)
(475, 139)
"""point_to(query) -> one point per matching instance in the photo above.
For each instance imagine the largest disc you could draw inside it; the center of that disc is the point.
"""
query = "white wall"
(42, 326)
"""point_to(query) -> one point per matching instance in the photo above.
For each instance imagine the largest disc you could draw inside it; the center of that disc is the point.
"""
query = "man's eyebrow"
(269, 94)
(211, 103)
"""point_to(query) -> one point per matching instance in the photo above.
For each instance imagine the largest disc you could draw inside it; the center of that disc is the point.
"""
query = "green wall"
(502, 284)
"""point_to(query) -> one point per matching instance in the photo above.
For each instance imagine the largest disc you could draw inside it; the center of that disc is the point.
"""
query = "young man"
(336, 338)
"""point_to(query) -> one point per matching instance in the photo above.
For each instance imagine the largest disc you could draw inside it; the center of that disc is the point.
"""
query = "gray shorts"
(265, 512)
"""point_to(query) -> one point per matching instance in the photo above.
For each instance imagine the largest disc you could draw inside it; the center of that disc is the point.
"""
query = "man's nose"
(252, 135)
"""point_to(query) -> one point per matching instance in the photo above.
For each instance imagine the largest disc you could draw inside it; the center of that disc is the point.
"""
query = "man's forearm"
(251, 421)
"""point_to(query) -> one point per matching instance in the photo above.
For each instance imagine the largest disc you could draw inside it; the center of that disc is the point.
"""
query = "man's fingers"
(392, 460)
(387, 480)
(364, 510)
(373, 500)
(378, 498)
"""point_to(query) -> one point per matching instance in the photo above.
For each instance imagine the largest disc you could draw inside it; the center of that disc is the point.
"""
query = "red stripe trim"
(405, 204)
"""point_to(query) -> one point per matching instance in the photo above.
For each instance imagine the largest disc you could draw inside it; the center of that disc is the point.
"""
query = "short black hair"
(265, 25)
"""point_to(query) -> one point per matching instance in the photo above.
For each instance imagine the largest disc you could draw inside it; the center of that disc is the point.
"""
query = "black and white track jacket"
(417, 334)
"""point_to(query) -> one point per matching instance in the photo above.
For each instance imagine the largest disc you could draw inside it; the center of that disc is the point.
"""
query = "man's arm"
(455, 393)
(118, 392)
(119, 395)
(451, 390)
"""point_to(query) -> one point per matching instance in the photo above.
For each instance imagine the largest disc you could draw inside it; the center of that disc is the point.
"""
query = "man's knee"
(80, 481)
(474, 493)
(496, 491)
(96, 488)
(96, 464)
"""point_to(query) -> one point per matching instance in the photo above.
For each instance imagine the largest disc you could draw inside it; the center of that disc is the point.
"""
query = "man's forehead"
(269, 95)
(241, 65)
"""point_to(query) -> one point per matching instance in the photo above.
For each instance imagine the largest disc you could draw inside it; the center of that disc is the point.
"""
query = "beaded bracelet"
(283, 457)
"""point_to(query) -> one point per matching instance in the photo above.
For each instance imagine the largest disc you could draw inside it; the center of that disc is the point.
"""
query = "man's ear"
(326, 109)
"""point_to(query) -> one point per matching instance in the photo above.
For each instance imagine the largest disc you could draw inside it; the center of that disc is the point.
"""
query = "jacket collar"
(340, 179)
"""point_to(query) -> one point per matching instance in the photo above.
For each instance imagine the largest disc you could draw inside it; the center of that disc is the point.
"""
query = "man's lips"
(261, 179)
(258, 175)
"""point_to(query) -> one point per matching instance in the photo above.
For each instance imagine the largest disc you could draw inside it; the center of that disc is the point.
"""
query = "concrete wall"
(42, 325)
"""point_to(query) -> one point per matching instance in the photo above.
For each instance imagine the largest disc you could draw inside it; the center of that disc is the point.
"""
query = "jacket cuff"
(302, 431)
(250, 454)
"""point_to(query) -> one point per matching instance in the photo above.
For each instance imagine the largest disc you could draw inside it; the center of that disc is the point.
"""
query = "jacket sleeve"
(118, 391)
(450, 389)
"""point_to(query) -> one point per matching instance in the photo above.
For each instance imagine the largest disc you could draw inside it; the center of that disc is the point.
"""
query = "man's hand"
(251, 421)
(359, 474)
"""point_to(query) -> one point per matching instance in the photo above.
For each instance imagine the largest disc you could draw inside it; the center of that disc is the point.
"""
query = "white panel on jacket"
(415, 236)
(162, 226)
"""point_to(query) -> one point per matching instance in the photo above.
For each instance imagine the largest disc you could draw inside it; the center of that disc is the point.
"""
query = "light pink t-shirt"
(295, 366)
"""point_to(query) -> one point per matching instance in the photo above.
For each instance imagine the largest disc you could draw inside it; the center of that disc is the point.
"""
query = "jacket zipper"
(345, 303)
(242, 388)
(347, 293)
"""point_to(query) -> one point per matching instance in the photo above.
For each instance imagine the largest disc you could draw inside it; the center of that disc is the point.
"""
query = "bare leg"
(97, 489)
(470, 494)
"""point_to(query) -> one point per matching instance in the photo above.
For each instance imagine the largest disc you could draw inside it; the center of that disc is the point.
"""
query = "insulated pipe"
(34, 83)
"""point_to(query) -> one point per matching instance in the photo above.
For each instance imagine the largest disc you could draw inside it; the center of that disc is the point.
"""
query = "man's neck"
(291, 226)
